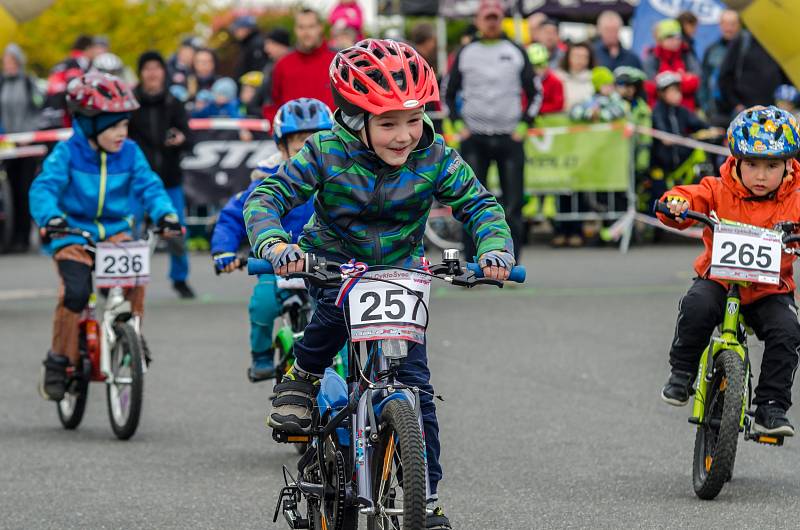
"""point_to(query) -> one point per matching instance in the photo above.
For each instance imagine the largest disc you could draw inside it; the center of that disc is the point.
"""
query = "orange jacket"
(728, 197)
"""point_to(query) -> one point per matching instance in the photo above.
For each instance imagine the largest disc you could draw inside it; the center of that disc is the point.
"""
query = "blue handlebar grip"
(517, 273)
(259, 266)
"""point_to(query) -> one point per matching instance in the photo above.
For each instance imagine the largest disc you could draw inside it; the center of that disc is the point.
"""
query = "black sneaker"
(183, 290)
(437, 520)
(678, 388)
(293, 403)
(53, 384)
(771, 419)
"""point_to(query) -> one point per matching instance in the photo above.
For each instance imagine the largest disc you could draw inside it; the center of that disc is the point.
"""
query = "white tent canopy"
(23, 10)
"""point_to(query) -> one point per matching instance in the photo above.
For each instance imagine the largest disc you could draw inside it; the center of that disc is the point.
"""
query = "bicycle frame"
(729, 339)
(363, 406)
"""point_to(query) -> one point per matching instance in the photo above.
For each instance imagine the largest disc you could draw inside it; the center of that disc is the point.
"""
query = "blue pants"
(327, 333)
(264, 308)
(178, 262)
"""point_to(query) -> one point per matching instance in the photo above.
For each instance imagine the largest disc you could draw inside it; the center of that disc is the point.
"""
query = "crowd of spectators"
(667, 86)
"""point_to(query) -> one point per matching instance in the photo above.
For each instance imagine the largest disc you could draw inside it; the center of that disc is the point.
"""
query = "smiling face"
(762, 176)
(111, 139)
(394, 134)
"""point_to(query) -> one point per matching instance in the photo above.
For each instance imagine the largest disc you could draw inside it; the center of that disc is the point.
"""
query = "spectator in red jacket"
(672, 54)
(550, 89)
(303, 73)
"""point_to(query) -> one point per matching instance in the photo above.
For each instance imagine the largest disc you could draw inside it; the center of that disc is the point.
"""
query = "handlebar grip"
(661, 207)
(259, 266)
(517, 273)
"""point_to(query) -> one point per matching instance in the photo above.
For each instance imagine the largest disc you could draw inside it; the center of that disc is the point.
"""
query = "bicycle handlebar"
(662, 208)
(324, 272)
(517, 274)
(69, 231)
(787, 227)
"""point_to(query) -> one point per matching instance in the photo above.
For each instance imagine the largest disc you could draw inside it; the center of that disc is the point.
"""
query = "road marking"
(622, 290)
(11, 295)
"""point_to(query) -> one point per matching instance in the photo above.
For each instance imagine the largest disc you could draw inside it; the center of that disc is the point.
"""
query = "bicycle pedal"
(287, 504)
(768, 439)
(290, 438)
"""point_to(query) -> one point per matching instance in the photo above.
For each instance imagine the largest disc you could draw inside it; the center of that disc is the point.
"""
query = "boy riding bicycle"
(759, 185)
(295, 121)
(373, 179)
(86, 183)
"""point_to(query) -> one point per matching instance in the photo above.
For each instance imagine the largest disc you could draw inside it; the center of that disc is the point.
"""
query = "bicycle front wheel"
(126, 388)
(717, 437)
(398, 478)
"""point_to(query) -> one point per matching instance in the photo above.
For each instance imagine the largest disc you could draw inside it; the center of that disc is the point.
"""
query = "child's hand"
(677, 206)
(496, 264)
(286, 258)
(226, 262)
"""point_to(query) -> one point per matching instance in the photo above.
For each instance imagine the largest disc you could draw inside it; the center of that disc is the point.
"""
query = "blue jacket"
(230, 230)
(92, 189)
(213, 110)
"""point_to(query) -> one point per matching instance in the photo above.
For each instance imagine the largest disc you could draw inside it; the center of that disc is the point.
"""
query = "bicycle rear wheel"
(717, 437)
(398, 478)
(125, 390)
(71, 408)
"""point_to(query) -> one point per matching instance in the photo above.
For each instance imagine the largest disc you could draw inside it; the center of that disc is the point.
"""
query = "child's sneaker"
(437, 520)
(678, 388)
(771, 419)
(263, 366)
(53, 384)
(294, 401)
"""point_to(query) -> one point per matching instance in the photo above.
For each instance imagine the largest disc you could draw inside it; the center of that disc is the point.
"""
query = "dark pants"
(324, 337)
(773, 318)
(479, 151)
(20, 173)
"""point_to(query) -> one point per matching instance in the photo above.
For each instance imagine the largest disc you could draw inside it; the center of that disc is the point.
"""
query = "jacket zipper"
(376, 238)
(101, 230)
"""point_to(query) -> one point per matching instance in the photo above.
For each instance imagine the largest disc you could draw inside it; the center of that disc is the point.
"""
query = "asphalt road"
(552, 417)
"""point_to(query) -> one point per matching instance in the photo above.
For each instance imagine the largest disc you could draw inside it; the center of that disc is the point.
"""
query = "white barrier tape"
(618, 229)
(23, 152)
(198, 124)
(680, 140)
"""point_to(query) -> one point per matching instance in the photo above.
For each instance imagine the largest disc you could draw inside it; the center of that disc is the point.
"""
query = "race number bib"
(746, 253)
(125, 264)
(397, 310)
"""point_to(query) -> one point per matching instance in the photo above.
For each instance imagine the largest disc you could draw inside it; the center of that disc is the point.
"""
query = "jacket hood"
(790, 184)
(356, 149)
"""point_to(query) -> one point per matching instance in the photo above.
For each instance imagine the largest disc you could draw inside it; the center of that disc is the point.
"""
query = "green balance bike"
(723, 386)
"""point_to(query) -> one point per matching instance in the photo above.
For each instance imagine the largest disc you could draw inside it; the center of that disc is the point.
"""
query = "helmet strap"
(755, 197)
(366, 132)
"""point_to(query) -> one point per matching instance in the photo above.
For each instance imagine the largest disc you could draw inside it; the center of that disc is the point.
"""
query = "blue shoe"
(262, 367)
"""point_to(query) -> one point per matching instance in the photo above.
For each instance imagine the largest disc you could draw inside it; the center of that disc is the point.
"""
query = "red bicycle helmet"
(377, 76)
(96, 93)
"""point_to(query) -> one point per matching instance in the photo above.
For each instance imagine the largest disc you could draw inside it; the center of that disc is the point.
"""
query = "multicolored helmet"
(764, 132)
(380, 75)
(301, 115)
(96, 93)
(629, 75)
(538, 54)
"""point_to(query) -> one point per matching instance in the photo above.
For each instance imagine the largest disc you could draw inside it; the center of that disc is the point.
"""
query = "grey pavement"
(551, 419)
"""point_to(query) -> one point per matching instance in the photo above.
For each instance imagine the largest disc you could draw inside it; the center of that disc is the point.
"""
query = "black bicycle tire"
(708, 484)
(400, 418)
(127, 338)
(72, 421)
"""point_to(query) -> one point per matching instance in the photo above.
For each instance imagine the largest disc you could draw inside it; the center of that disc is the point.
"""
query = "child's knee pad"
(77, 280)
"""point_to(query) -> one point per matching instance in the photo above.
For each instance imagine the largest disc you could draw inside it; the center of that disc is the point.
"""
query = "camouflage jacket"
(370, 211)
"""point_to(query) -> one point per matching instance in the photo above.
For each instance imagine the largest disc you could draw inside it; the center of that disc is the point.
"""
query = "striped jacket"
(370, 211)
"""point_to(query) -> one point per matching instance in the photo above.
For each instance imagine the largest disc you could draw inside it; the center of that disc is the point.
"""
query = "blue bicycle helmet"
(301, 115)
(764, 132)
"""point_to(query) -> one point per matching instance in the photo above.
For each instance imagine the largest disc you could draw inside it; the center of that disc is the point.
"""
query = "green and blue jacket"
(368, 210)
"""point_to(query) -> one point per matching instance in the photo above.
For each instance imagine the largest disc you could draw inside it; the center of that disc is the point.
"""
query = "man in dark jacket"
(608, 50)
(748, 75)
(251, 57)
(161, 128)
(709, 94)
